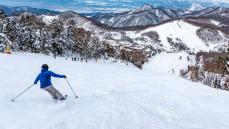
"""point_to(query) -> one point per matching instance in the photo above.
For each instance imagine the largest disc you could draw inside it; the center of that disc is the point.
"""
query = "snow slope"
(186, 32)
(179, 31)
(176, 29)
(165, 62)
(111, 96)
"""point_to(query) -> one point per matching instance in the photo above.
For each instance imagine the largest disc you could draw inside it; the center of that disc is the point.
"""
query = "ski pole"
(71, 88)
(21, 93)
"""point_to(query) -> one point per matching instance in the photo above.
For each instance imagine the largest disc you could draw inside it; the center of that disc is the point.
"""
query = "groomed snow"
(111, 96)
(186, 32)
(165, 62)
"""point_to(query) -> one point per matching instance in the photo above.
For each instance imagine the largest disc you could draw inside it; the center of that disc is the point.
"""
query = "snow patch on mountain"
(217, 23)
(48, 19)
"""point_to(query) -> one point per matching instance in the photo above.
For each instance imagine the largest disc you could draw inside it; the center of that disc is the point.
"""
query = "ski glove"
(36, 80)
(65, 76)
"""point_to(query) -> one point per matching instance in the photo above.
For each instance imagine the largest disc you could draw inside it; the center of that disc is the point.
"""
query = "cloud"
(220, 1)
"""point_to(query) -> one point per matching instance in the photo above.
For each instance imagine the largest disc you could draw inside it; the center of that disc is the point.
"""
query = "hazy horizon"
(109, 5)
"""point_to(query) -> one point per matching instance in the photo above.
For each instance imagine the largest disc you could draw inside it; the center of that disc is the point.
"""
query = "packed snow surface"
(168, 62)
(111, 96)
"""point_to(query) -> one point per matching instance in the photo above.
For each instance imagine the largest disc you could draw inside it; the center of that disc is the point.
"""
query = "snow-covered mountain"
(149, 15)
(176, 35)
(143, 16)
(17, 10)
(146, 15)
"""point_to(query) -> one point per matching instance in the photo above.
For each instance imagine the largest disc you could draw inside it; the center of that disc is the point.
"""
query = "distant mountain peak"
(196, 7)
(145, 7)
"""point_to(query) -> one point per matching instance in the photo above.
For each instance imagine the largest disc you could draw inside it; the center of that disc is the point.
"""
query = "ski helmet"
(45, 66)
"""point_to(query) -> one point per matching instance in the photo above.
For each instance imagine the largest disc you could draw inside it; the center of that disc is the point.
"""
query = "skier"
(45, 82)
(54, 56)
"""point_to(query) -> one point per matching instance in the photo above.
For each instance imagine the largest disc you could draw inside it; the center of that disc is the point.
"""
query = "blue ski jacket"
(45, 78)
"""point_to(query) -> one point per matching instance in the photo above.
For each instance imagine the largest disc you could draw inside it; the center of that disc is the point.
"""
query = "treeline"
(28, 32)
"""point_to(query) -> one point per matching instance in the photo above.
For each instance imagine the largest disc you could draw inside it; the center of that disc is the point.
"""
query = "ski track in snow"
(111, 96)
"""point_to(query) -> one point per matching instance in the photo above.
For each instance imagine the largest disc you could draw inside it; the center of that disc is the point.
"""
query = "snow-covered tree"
(3, 21)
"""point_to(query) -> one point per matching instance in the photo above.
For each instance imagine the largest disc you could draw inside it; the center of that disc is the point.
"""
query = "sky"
(102, 5)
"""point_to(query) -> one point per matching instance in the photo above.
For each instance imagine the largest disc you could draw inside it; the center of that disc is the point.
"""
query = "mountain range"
(143, 16)
(115, 6)
(17, 10)
(149, 15)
